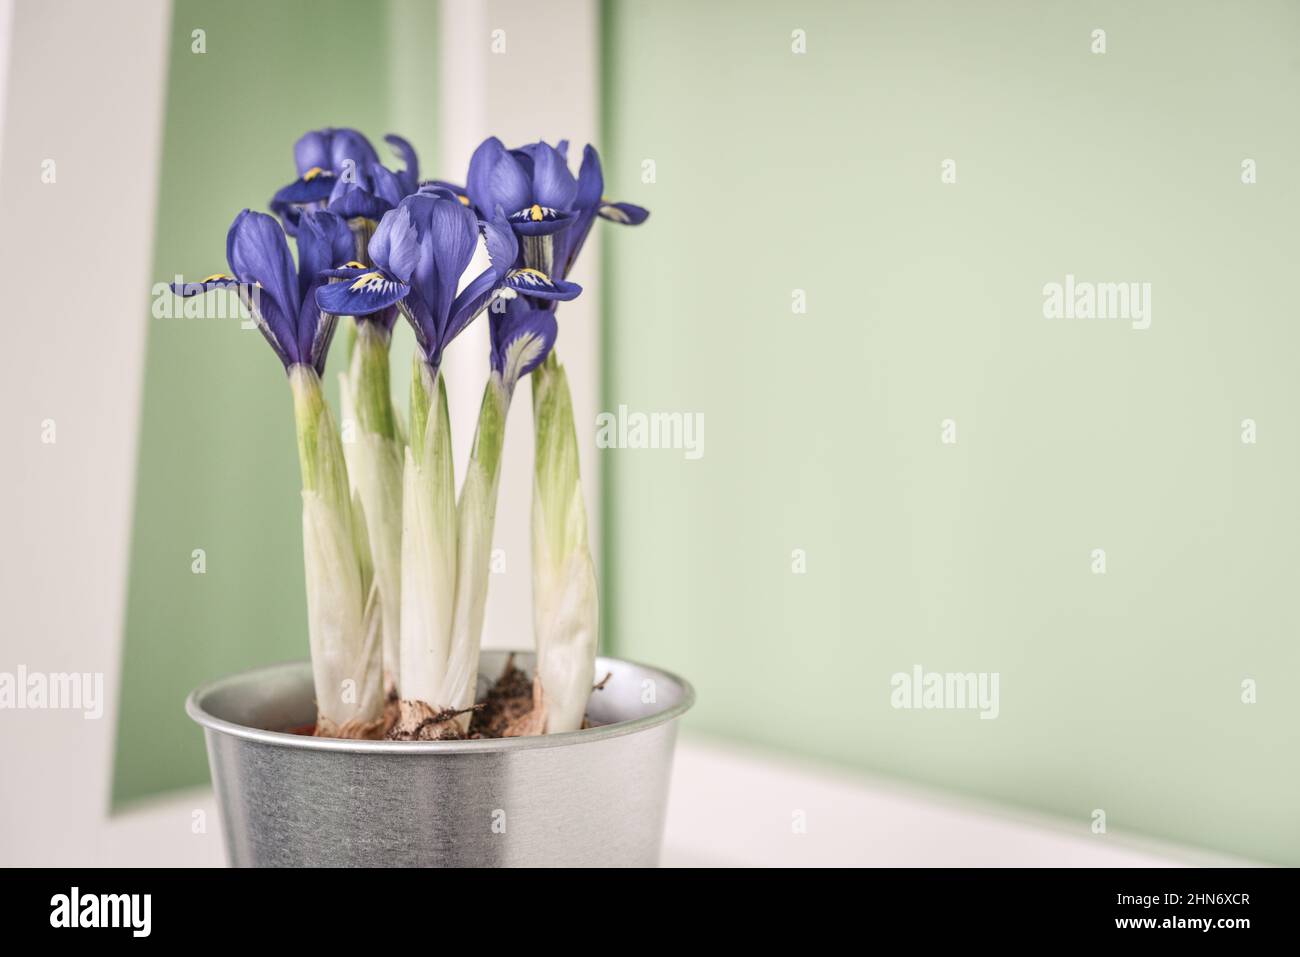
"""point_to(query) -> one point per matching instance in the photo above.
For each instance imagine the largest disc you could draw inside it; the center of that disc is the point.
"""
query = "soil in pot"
(509, 709)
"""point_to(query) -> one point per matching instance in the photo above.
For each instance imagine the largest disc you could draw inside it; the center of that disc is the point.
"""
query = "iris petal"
(591, 181)
(535, 283)
(411, 162)
(359, 292)
(473, 299)
(312, 150)
(290, 201)
(446, 190)
(303, 192)
(449, 236)
(502, 246)
(352, 198)
(350, 151)
(538, 220)
(324, 241)
(522, 337)
(259, 253)
(628, 214)
(200, 286)
(315, 331)
(586, 201)
(395, 246)
(388, 186)
(496, 178)
(553, 184)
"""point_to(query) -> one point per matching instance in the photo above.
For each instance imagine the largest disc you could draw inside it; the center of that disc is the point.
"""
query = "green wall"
(821, 172)
(218, 463)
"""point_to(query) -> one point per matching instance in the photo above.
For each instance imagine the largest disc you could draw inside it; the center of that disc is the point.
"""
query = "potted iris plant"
(400, 743)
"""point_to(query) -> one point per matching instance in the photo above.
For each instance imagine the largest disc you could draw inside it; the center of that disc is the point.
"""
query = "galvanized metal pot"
(586, 798)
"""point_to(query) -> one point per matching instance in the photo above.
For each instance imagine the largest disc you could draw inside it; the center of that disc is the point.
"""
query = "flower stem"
(320, 453)
(374, 458)
(370, 379)
(346, 657)
(476, 519)
(423, 387)
(566, 611)
(428, 543)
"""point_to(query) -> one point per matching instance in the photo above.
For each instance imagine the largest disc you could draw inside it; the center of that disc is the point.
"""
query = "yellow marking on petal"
(370, 278)
(215, 276)
(311, 174)
(353, 264)
(464, 200)
(535, 213)
(530, 271)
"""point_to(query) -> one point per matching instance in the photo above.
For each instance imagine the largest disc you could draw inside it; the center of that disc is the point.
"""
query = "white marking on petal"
(533, 278)
(534, 214)
(519, 353)
(615, 214)
(372, 282)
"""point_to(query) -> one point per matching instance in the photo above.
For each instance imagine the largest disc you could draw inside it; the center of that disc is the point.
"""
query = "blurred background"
(855, 208)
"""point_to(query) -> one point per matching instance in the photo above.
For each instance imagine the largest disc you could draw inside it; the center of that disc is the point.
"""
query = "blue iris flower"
(420, 250)
(532, 185)
(340, 171)
(552, 212)
(542, 198)
(281, 295)
(522, 337)
(589, 203)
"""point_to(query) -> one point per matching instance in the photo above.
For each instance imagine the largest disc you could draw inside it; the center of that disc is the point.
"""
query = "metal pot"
(593, 798)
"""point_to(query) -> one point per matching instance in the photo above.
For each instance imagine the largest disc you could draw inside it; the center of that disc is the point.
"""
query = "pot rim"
(284, 739)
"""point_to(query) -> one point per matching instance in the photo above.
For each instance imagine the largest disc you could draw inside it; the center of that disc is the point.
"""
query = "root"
(514, 707)
(354, 729)
(392, 711)
(420, 721)
(534, 722)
